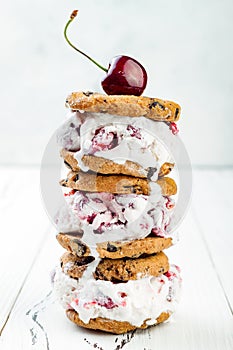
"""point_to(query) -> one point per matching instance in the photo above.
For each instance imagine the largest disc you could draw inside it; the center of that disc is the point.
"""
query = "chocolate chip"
(89, 259)
(64, 182)
(67, 164)
(134, 189)
(176, 113)
(84, 261)
(98, 275)
(88, 93)
(156, 103)
(76, 178)
(137, 189)
(111, 248)
(72, 125)
(79, 248)
(129, 272)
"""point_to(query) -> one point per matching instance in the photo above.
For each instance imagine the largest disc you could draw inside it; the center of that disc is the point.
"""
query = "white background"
(186, 47)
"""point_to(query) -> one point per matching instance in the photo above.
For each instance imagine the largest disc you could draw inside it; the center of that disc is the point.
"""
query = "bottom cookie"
(118, 307)
(111, 326)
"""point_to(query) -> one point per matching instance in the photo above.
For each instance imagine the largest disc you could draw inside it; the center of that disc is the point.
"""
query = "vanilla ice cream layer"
(106, 216)
(134, 301)
(68, 135)
(113, 137)
(65, 220)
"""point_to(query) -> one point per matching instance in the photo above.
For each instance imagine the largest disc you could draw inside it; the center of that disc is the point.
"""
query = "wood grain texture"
(213, 210)
(203, 320)
(20, 212)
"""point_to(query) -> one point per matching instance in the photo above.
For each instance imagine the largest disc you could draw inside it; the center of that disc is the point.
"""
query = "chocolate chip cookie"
(111, 326)
(117, 184)
(125, 269)
(125, 105)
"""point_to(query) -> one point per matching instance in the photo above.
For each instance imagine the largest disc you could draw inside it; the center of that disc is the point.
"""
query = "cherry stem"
(72, 16)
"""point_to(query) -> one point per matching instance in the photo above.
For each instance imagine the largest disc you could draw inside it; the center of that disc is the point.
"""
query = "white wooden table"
(29, 317)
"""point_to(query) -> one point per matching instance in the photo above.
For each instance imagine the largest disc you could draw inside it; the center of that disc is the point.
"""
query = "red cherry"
(125, 76)
(173, 127)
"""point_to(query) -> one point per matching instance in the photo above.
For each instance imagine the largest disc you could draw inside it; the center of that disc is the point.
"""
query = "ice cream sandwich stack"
(120, 195)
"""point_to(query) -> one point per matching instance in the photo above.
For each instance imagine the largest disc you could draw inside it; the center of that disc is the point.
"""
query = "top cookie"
(125, 105)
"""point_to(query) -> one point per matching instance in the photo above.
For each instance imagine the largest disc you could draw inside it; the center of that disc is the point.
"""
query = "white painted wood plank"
(203, 320)
(213, 208)
(23, 225)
